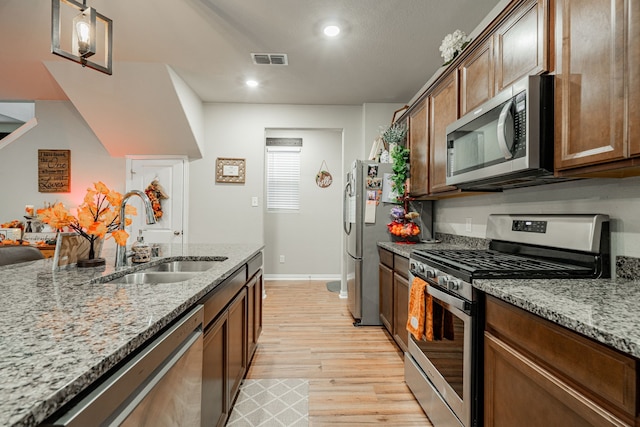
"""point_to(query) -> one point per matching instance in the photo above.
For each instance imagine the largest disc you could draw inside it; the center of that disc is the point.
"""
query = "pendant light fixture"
(81, 34)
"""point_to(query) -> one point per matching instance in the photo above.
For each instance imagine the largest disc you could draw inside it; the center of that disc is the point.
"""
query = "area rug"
(333, 286)
(271, 403)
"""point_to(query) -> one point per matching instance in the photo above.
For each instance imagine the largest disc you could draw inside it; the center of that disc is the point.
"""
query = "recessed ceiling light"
(331, 30)
(251, 83)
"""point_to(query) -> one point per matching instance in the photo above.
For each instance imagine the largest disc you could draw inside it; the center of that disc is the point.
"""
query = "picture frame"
(10, 234)
(230, 170)
(71, 247)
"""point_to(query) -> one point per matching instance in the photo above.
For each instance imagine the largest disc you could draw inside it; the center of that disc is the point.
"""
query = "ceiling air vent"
(270, 58)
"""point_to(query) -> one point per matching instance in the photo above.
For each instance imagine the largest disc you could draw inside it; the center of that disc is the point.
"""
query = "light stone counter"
(60, 331)
(606, 310)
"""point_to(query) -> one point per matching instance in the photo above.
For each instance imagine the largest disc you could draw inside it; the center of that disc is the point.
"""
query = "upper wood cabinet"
(419, 151)
(517, 48)
(633, 58)
(444, 110)
(590, 82)
(476, 77)
(520, 44)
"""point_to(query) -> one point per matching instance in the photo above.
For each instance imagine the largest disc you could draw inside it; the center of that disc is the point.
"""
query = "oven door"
(446, 361)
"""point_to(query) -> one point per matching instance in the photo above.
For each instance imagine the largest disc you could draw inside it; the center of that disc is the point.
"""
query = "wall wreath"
(323, 177)
(156, 194)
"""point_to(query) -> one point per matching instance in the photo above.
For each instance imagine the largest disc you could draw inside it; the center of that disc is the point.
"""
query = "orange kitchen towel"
(420, 310)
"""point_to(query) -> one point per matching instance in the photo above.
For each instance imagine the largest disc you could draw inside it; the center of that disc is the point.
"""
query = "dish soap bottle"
(141, 250)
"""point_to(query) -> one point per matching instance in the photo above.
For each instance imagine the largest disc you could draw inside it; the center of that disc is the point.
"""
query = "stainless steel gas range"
(445, 372)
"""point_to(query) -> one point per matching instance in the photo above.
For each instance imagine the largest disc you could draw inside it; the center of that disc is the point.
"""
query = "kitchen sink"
(186, 266)
(154, 277)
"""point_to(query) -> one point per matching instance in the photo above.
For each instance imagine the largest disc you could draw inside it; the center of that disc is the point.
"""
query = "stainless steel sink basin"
(186, 265)
(154, 277)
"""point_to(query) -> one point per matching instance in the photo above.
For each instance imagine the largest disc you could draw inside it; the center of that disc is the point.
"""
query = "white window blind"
(283, 178)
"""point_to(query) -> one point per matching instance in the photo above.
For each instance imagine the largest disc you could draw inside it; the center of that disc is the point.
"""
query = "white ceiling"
(386, 53)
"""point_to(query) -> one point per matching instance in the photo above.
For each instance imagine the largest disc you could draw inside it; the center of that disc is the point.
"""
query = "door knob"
(176, 233)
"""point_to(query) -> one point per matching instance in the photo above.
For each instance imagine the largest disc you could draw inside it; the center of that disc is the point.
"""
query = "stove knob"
(430, 273)
(453, 284)
(420, 268)
(412, 266)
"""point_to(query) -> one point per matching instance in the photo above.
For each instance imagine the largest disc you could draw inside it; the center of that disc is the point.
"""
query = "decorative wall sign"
(230, 170)
(54, 171)
(323, 177)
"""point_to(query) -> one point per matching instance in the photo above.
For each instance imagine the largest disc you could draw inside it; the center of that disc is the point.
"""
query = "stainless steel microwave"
(506, 142)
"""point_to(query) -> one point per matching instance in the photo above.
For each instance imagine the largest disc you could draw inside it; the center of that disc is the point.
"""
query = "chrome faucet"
(121, 251)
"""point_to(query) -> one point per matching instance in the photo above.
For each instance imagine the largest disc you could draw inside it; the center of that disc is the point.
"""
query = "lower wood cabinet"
(237, 342)
(394, 295)
(400, 311)
(385, 277)
(254, 313)
(215, 395)
(537, 373)
(232, 326)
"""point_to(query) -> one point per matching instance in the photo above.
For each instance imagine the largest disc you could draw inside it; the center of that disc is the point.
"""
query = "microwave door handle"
(502, 136)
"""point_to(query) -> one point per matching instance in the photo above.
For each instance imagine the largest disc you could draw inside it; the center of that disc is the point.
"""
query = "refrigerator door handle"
(346, 224)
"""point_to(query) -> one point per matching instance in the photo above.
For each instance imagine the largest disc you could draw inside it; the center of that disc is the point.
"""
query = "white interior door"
(170, 174)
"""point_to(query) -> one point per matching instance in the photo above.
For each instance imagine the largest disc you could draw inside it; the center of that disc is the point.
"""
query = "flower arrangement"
(395, 134)
(402, 224)
(452, 45)
(97, 215)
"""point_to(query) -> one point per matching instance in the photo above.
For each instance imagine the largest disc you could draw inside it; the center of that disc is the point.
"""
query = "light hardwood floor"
(355, 374)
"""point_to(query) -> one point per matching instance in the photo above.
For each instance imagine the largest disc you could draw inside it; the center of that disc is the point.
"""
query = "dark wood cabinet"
(254, 313)
(419, 150)
(385, 277)
(215, 397)
(476, 77)
(232, 326)
(394, 295)
(590, 82)
(443, 110)
(539, 374)
(521, 44)
(237, 342)
(400, 311)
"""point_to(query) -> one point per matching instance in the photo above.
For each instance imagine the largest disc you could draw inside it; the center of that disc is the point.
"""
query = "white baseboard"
(324, 277)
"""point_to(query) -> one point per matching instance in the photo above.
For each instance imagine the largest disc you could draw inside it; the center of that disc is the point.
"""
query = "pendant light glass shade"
(89, 33)
(84, 33)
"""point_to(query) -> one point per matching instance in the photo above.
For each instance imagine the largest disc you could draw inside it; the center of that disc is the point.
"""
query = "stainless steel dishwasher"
(160, 386)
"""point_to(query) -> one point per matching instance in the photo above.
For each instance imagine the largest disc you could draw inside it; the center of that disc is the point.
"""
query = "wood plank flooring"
(356, 374)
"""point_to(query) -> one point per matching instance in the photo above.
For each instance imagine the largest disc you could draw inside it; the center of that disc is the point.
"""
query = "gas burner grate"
(492, 264)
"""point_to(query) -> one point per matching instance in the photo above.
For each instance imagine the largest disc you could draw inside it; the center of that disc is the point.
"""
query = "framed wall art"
(230, 170)
(54, 171)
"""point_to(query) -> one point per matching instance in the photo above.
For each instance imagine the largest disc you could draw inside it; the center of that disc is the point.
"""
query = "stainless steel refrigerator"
(365, 224)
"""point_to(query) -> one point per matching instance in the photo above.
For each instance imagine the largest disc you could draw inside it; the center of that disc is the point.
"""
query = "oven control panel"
(529, 226)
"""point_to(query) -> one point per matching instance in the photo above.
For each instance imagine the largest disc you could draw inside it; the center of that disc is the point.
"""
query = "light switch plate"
(254, 201)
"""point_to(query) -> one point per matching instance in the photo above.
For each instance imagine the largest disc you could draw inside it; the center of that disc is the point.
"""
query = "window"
(283, 178)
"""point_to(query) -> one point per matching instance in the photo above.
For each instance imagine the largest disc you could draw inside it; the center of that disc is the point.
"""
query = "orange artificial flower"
(97, 216)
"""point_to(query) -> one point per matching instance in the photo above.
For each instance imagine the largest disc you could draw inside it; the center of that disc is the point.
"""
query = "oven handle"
(448, 299)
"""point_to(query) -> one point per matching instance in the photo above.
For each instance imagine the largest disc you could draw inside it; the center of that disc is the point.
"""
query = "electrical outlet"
(254, 201)
(281, 259)
(468, 226)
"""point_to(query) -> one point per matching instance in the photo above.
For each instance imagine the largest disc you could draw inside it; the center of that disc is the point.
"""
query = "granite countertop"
(605, 310)
(60, 331)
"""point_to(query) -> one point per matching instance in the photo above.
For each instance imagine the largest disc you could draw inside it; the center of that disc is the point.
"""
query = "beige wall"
(60, 126)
